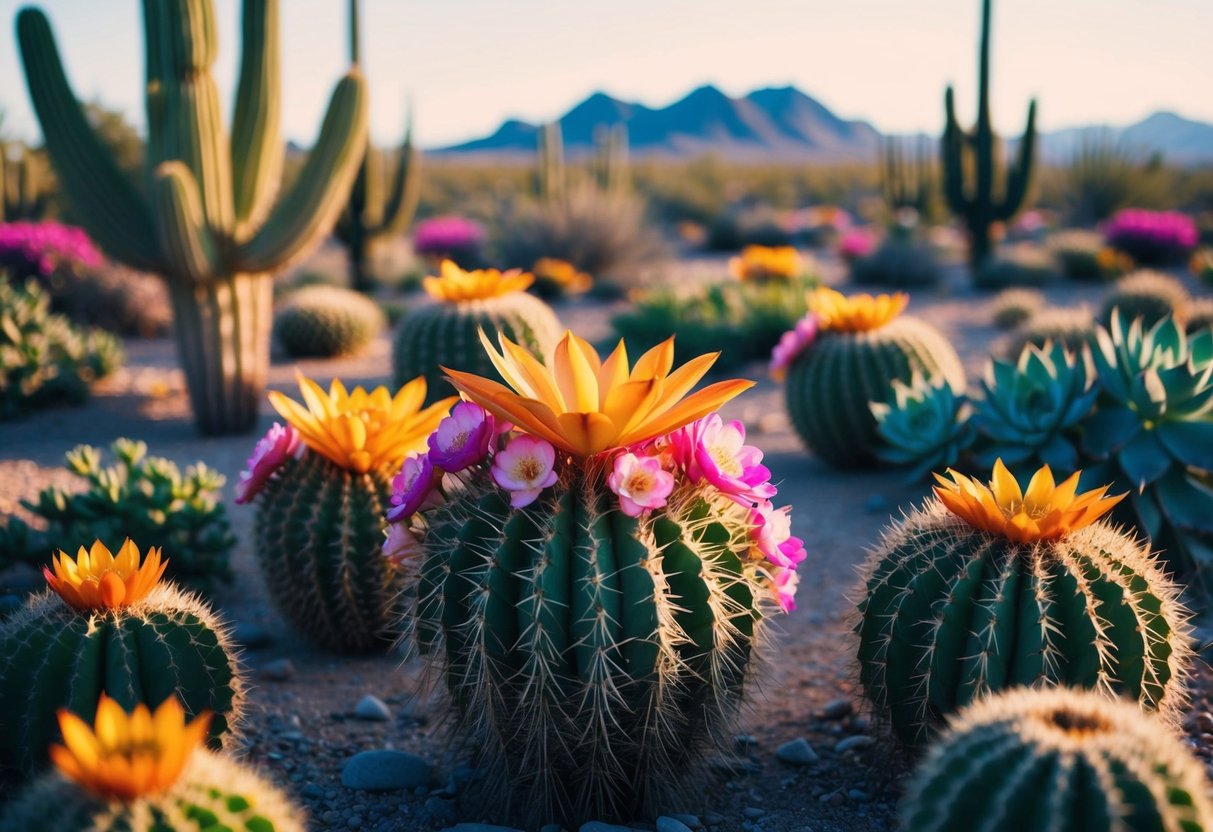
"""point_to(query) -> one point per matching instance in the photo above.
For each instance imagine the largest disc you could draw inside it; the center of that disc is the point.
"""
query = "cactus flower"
(791, 344)
(714, 450)
(785, 581)
(524, 467)
(640, 483)
(125, 756)
(858, 313)
(414, 488)
(766, 263)
(773, 536)
(99, 580)
(454, 285)
(462, 439)
(276, 447)
(401, 546)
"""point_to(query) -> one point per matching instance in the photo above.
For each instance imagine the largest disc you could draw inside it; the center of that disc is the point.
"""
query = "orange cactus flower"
(454, 285)
(766, 263)
(858, 313)
(99, 580)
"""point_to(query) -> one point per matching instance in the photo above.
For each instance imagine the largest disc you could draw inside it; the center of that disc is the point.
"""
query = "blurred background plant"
(450, 238)
(1153, 238)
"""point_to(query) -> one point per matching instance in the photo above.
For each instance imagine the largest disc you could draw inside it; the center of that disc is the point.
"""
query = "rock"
(386, 770)
(713, 819)
(599, 826)
(552, 827)
(690, 821)
(279, 670)
(665, 823)
(859, 795)
(312, 792)
(837, 709)
(482, 827)
(372, 709)
(798, 752)
(850, 743)
(251, 635)
(753, 812)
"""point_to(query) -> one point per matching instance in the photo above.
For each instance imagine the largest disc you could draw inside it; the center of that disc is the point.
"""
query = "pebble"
(859, 795)
(278, 670)
(753, 812)
(690, 821)
(665, 823)
(372, 709)
(312, 792)
(599, 826)
(481, 827)
(442, 811)
(713, 819)
(386, 770)
(837, 709)
(798, 752)
(849, 743)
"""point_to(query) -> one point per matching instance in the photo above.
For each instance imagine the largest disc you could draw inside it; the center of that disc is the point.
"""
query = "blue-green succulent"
(925, 425)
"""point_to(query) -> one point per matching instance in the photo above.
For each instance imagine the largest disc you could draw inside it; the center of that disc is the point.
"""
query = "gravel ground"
(303, 726)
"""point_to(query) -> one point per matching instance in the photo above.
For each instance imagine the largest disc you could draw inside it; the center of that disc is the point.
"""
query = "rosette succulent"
(925, 426)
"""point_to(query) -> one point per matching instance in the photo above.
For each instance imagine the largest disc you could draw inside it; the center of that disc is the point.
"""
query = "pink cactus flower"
(462, 439)
(785, 581)
(640, 482)
(524, 467)
(773, 536)
(401, 546)
(714, 450)
(415, 488)
(791, 345)
(277, 446)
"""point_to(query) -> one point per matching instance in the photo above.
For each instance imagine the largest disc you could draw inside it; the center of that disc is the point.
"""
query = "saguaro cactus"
(907, 177)
(611, 157)
(208, 222)
(22, 195)
(550, 179)
(370, 215)
(981, 203)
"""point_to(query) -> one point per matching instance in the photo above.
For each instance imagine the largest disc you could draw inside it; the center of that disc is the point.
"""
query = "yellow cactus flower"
(562, 275)
(1046, 511)
(358, 430)
(99, 580)
(125, 756)
(454, 285)
(586, 405)
(766, 262)
(858, 313)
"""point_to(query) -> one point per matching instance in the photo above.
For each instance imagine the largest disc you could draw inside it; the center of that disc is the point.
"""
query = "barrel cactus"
(925, 426)
(594, 559)
(1063, 760)
(1073, 328)
(1148, 295)
(987, 588)
(322, 484)
(143, 771)
(445, 334)
(110, 626)
(1014, 307)
(863, 344)
(327, 321)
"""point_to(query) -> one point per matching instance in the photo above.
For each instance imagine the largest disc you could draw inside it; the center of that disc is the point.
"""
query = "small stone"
(279, 670)
(849, 743)
(753, 812)
(252, 636)
(798, 752)
(690, 821)
(745, 743)
(877, 504)
(599, 826)
(837, 709)
(312, 792)
(442, 811)
(665, 823)
(487, 827)
(373, 709)
(859, 795)
(386, 770)
(713, 819)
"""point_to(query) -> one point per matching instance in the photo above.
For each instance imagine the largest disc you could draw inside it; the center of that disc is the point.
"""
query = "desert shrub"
(555, 278)
(1082, 255)
(327, 321)
(1201, 265)
(898, 263)
(140, 497)
(451, 238)
(1013, 307)
(1148, 295)
(1020, 265)
(1152, 238)
(755, 226)
(1105, 176)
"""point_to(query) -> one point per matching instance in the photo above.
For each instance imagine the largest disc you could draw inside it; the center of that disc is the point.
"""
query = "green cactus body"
(55, 657)
(319, 536)
(970, 159)
(1015, 307)
(831, 385)
(1062, 760)
(209, 223)
(590, 657)
(925, 426)
(907, 178)
(1073, 328)
(214, 793)
(448, 335)
(1148, 295)
(611, 157)
(951, 613)
(326, 321)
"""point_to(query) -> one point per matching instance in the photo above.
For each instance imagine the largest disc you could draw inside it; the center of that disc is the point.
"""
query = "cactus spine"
(22, 189)
(58, 657)
(908, 177)
(1059, 760)
(370, 216)
(981, 203)
(210, 225)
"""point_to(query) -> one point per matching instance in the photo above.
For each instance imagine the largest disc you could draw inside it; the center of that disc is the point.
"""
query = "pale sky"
(470, 63)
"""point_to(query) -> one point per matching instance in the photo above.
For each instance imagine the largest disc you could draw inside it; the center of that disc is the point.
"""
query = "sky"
(468, 64)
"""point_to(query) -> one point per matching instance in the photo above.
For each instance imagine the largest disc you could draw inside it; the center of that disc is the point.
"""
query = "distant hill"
(783, 124)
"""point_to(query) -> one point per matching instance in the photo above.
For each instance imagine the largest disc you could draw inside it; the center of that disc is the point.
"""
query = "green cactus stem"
(907, 177)
(551, 181)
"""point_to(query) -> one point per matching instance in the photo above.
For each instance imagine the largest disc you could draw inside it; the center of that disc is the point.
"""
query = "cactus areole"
(206, 218)
(592, 556)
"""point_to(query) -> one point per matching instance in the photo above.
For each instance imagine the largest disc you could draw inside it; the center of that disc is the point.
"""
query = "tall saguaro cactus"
(207, 220)
(982, 202)
(372, 216)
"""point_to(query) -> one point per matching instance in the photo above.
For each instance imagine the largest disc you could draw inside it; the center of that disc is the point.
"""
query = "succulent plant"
(1020, 265)
(1148, 295)
(926, 426)
(1074, 328)
(987, 588)
(327, 321)
(1029, 410)
(862, 346)
(1014, 307)
(595, 584)
(1064, 760)
(1152, 433)
(762, 263)
(23, 187)
(446, 333)
(108, 626)
(558, 278)
(143, 771)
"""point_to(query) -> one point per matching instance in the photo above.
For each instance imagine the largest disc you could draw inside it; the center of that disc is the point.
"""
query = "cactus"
(1148, 295)
(854, 362)
(611, 157)
(1200, 315)
(371, 216)
(989, 588)
(143, 772)
(1014, 307)
(1082, 255)
(925, 425)
(327, 321)
(1063, 760)
(907, 178)
(23, 194)
(445, 333)
(551, 181)
(981, 203)
(62, 650)
(1074, 328)
(209, 224)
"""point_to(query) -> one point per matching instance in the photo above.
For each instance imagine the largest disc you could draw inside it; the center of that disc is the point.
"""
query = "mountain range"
(783, 124)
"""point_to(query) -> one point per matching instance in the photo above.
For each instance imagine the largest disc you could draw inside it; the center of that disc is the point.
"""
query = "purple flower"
(276, 447)
(791, 344)
(39, 249)
(414, 488)
(1152, 237)
(448, 236)
(462, 439)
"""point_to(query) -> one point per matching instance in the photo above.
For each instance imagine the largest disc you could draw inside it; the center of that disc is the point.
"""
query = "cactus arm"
(952, 149)
(1019, 177)
(406, 187)
(185, 236)
(257, 149)
(155, 86)
(306, 214)
(117, 215)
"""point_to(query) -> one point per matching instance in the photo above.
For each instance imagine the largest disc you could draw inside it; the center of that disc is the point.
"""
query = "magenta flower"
(462, 439)
(791, 345)
(401, 545)
(714, 450)
(640, 483)
(773, 535)
(276, 447)
(524, 467)
(414, 488)
(1152, 238)
(857, 243)
(785, 581)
